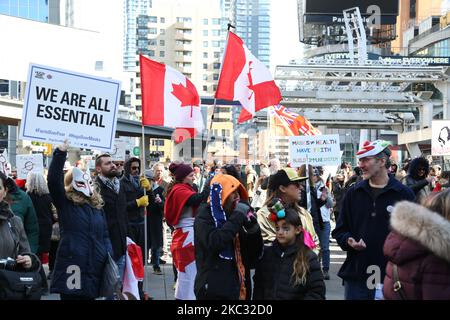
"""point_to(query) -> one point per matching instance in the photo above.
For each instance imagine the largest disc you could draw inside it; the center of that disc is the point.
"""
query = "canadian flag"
(246, 79)
(134, 271)
(169, 99)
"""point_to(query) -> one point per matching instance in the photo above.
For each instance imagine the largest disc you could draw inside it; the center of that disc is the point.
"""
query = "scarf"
(175, 201)
(113, 184)
(233, 251)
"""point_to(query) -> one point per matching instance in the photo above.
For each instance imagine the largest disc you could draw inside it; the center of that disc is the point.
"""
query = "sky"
(285, 44)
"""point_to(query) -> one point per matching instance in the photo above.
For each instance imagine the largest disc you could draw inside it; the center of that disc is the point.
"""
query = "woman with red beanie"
(180, 208)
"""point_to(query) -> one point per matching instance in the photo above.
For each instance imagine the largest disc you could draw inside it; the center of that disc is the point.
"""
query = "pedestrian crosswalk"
(337, 256)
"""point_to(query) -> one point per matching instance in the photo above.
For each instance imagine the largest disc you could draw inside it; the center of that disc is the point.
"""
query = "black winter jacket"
(115, 209)
(43, 207)
(363, 217)
(218, 278)
(273, 276)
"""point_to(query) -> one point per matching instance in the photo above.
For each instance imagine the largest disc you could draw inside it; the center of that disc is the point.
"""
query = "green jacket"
(22, 206)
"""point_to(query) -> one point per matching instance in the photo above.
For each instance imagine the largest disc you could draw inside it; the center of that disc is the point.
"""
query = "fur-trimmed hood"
(428, 228)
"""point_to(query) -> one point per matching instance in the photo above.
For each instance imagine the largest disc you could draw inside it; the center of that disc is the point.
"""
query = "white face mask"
(82, 182)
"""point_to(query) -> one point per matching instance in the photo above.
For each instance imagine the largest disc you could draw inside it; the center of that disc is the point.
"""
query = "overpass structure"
(378, 95)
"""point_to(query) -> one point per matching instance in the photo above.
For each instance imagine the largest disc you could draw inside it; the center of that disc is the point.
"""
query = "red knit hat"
(180, 170)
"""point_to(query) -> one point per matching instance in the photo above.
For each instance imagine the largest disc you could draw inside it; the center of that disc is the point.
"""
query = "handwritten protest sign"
(440, 137)
(5, 166)
(61, 104)
(29, 163)
(119, 150)
(323, 150)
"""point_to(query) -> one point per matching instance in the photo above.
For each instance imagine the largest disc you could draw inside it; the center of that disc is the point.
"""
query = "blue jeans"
(156, 253)
(324, 238)
(357, 290)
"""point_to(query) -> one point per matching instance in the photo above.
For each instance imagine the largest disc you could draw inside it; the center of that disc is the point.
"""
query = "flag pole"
(208, 136)
(145, 286)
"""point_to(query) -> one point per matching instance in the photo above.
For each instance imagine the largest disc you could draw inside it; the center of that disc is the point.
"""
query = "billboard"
(333, 7)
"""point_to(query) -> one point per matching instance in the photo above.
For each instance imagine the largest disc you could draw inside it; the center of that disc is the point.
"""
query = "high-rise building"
(186, 37)
(252, 21)
(132, 9)
(28, 9)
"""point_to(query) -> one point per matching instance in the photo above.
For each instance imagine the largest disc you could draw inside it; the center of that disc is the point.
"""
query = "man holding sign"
(363, 222)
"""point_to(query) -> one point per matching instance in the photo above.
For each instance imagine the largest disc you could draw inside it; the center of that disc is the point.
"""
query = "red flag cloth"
(296, 123)
(168, 97)
(175, 201)
(246, 79)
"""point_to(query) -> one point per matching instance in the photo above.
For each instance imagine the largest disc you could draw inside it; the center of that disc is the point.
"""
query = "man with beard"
(363, 222)
(115, 207)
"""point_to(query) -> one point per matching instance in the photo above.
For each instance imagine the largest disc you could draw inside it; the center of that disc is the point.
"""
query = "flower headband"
(277, 210)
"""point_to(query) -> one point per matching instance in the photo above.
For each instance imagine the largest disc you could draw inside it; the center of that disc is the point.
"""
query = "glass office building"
(28, 9)
(252, 20)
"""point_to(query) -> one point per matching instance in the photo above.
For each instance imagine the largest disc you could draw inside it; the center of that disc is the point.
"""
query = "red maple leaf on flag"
(187, 95)
(182, 256)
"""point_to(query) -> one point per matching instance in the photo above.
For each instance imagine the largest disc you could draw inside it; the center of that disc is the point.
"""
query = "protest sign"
(440, 138)
(323, 150)
(29, 163)
(5, 166)
(61, 104)
(119, 150)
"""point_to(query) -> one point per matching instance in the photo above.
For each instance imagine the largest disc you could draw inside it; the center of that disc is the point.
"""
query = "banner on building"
(323, 150)
(440, 138)
(61, 104)
(26, 163)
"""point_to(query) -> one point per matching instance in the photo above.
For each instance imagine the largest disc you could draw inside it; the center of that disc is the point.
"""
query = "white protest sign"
(61, 104)
(440, 138)
(119, 150)
(5, 166)
(322, 150)
(29, 163)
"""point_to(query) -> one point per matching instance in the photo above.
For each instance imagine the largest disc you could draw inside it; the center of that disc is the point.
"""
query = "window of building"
(162, 20)
(151, 53)
(152, 30)
(215, 89)
(216, 32)
(162, 42)
(205, 77)
(138, 97)
(216, 65)
(215, 76)
(205, 88)
(205, 66)
(162, 31)
(205, 22)
(152, 42)
(205, 44)
(162, 54)
(215, 44)
(205, 33)
(184, 19)
(216, 55)
(215, 21)
(205, 55)
(152, 19)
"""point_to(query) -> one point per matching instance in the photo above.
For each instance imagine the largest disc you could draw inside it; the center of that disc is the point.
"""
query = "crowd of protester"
(227, 220)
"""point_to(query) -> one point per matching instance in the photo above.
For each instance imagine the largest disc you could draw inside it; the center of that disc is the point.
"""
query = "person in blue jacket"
(85, 243)
(363, 222)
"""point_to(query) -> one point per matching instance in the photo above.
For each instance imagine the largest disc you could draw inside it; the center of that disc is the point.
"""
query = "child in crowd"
(289, 269)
